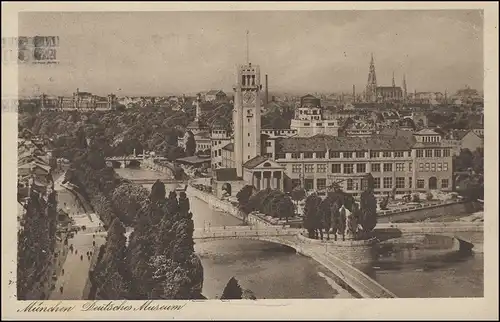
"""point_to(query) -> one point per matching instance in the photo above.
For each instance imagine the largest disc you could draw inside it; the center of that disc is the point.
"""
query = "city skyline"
(324, 51)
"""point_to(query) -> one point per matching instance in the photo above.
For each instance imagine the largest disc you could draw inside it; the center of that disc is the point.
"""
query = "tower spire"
(248, 55)
(371, 86)
(393, 81)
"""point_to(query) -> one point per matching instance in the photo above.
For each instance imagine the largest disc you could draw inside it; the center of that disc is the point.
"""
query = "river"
(274, 271)
(267, 269)
(428, 270)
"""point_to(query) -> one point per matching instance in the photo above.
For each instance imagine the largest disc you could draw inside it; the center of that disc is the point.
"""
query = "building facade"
(417, 164)
(215, 95)
(309, 119)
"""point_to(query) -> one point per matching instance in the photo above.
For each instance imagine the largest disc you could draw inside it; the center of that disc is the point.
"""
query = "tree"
(311, 214)
(190, 144)
(284, 207)
(243, 197)
(157, 191)
(478, 161)
(81, 139)
(368, 207)
(298, 194)
(232, 291)
(464, 160)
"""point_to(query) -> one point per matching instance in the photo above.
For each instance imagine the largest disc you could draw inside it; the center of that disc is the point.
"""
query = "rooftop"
(255, 161)
(194, 160)
(226, 174)
(229, 147)
(322, 143)
(426, 132)
(214, 92)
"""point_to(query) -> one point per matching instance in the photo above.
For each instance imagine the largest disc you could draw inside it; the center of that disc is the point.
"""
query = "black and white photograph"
(247, 155)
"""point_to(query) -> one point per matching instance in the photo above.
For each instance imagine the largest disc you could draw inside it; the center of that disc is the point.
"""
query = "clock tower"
(246, 115)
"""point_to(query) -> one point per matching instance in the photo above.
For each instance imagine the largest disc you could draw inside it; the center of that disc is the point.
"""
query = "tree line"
(36, 240)
(158, 262)
(270, 202)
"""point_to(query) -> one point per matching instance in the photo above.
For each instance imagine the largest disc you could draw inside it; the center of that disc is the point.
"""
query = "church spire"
(371, 86)
(393, 81)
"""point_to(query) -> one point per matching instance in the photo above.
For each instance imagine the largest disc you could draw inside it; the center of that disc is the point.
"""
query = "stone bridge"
(357, 280)
(152, 181)
(126, 159)
(465, 231)
(328, 253)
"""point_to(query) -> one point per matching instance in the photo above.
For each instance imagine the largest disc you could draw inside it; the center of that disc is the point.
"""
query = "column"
(259, 179)
(253, 179)
(267, 177)
(277, 179)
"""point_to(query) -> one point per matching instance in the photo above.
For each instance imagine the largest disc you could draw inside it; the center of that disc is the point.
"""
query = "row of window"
(355, 185)
(429, 153)
(433, 166)
(430, 139)
(349, 167)
(314, 112)
(217, 152)
(350, 155)
(320, 124)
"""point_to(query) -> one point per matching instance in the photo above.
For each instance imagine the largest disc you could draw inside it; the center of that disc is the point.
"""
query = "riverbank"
(77, 264)
(275, 271)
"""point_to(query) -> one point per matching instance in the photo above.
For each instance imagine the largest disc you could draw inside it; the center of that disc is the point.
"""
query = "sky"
(159, 53)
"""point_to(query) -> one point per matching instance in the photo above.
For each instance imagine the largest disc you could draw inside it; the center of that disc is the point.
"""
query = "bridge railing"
(434, 227)
(364, 285)
(200, 234)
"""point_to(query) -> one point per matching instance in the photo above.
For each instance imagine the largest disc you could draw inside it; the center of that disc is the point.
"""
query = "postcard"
(249, 160)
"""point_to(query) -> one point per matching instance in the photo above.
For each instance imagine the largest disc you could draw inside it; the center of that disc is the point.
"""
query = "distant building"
(215, 95)
(383, 94)
(464, 139)
(198, 129)
(309, 120)
(432, 98)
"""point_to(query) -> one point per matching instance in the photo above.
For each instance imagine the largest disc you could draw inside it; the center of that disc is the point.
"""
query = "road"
(76, 267)
(77, 264)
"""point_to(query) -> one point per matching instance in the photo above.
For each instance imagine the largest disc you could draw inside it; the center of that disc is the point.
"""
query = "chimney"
(266, 95)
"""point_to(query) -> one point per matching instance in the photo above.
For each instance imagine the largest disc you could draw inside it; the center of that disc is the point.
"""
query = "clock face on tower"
(249, 97)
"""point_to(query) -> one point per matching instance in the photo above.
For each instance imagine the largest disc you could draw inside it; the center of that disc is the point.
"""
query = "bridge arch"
(268, 239)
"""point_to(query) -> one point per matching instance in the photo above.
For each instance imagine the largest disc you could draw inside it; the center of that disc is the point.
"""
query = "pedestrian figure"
(61, 289)
(81, 257)
(90, 253)
(93, 236)
(93, 243)
(87, 253)
(76, 251)
(63, 271)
